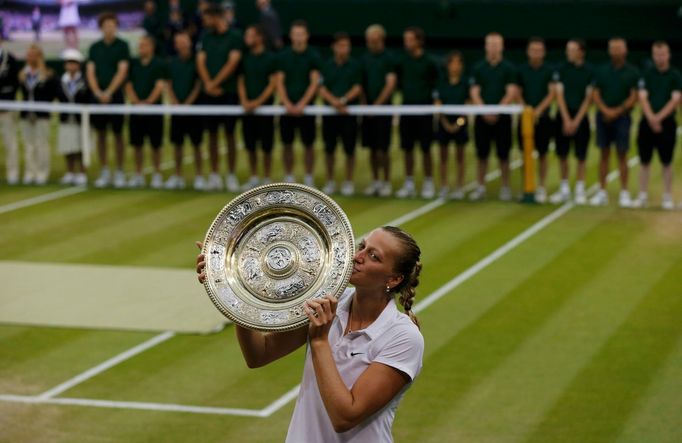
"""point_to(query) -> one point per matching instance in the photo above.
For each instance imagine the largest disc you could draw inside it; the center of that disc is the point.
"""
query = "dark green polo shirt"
(493, 80)
(257, 70)
(297, 67)
(418, 77)
(144, 77)
(660, 85)
(217, 48)
(106, 58)
(535, 82)
(339, 79)
(183, 75)
(615, 84)
(575, 81)
(452, 93)
(375, 69)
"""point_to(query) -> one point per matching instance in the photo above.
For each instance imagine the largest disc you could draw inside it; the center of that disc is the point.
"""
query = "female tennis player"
(362, 353)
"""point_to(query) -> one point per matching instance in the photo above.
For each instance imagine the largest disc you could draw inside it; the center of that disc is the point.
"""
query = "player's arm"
(511, 94)
(194, 94)
(228, 68)
(629, 102)
(154, 96)
(475, 95)
(311, 90)
(202, 70)
(241, 90)
(600, 103)
(561, 101)
(171, 95)
(328, 97)
(282, 89)
(92, 79)
(670, 106)
(130, 92)
(119, 77)
(352, 93)
(268, 91)
(585, 105)
(389, 87)
(546, 102)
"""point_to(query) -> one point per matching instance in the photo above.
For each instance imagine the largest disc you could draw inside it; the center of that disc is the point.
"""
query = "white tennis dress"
(68, 14)
(392, 340)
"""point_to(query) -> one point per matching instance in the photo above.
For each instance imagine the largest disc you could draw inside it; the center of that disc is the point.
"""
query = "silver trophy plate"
(272, 248)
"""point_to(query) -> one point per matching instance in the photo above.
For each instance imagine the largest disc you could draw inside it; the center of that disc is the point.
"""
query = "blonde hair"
(43, 70)
(408, 265)
(376, 28)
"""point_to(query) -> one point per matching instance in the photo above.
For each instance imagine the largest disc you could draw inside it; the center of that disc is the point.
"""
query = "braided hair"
(408, 265)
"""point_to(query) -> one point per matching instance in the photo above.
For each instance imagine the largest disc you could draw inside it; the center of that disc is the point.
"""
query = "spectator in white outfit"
(9, 77)
(37, 84)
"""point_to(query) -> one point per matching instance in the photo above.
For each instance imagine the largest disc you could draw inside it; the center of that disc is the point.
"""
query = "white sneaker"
(642, 201)
(444, 192)
(120, 179)
(541, 195)
(289, 178)
(232, 183)
(580, 197)
(12, 180)
(624, 200)
(157, 181)
(67, 179)
(372, 189)
(457, 194)
(215, 183)
(199, 183)
(41, 180)
(347, 188)
(80, 179)
(172, 182)
(386, 189)
(428, 189)
(408, 190)
(601, 198)
(477, 194)
(560, 197)
(103, 179)
(667, 202)
(329, 187)
(252, 183)
(136, 181)
(505, 194)
(309, 181)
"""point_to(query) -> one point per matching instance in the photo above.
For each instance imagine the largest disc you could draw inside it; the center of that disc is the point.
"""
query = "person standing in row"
(659, 96)
(418, 76)
(145, 86)
(537, 90)
(9, 83)
(37, 84)
(297, 82)
(256, 84)
(452, 90)
(493, 83)
(217, 63)
(106, 73)
(574, 84)
(379, 82)
(615, 95)
(341, 85)
(72, 89)
(184, 88)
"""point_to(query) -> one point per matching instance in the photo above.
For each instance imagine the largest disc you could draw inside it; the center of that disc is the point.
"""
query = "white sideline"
(113, 361)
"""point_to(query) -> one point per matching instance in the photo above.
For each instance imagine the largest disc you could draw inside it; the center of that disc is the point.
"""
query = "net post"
(528, 145)
(85, 136)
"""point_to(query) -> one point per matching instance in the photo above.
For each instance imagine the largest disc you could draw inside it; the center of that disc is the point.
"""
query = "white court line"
(48, 396)
(113, 361)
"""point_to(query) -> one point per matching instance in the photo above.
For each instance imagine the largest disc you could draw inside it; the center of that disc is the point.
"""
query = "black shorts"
(142, 126)
(580, 139)
(306, 128)
(416, 128)
(544, 130)
(461, 137)
(344, 127)
(258, 128)
(212, 122)
(186, 125)
(663, 142)
(115, 121)
(376, 132)
(616, 131)
(500, 132)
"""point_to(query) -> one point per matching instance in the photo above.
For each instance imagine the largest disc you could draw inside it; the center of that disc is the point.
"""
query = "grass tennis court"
(570, 333)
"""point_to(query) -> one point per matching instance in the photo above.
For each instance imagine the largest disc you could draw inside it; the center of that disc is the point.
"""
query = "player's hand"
(655, 125)
(201, 264)
(321, 312)
(105, 98)
(570, 127)
(298, 109)
(248, 106)
(214, 91)
(491, 119)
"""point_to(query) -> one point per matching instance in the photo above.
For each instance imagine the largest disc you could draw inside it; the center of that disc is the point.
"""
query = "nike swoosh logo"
(353, 354)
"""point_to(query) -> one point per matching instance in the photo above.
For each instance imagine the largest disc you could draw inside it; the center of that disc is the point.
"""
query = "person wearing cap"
(106, 72)
(37, 84)
(72, 89)
(218, 57)
(9, 83)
